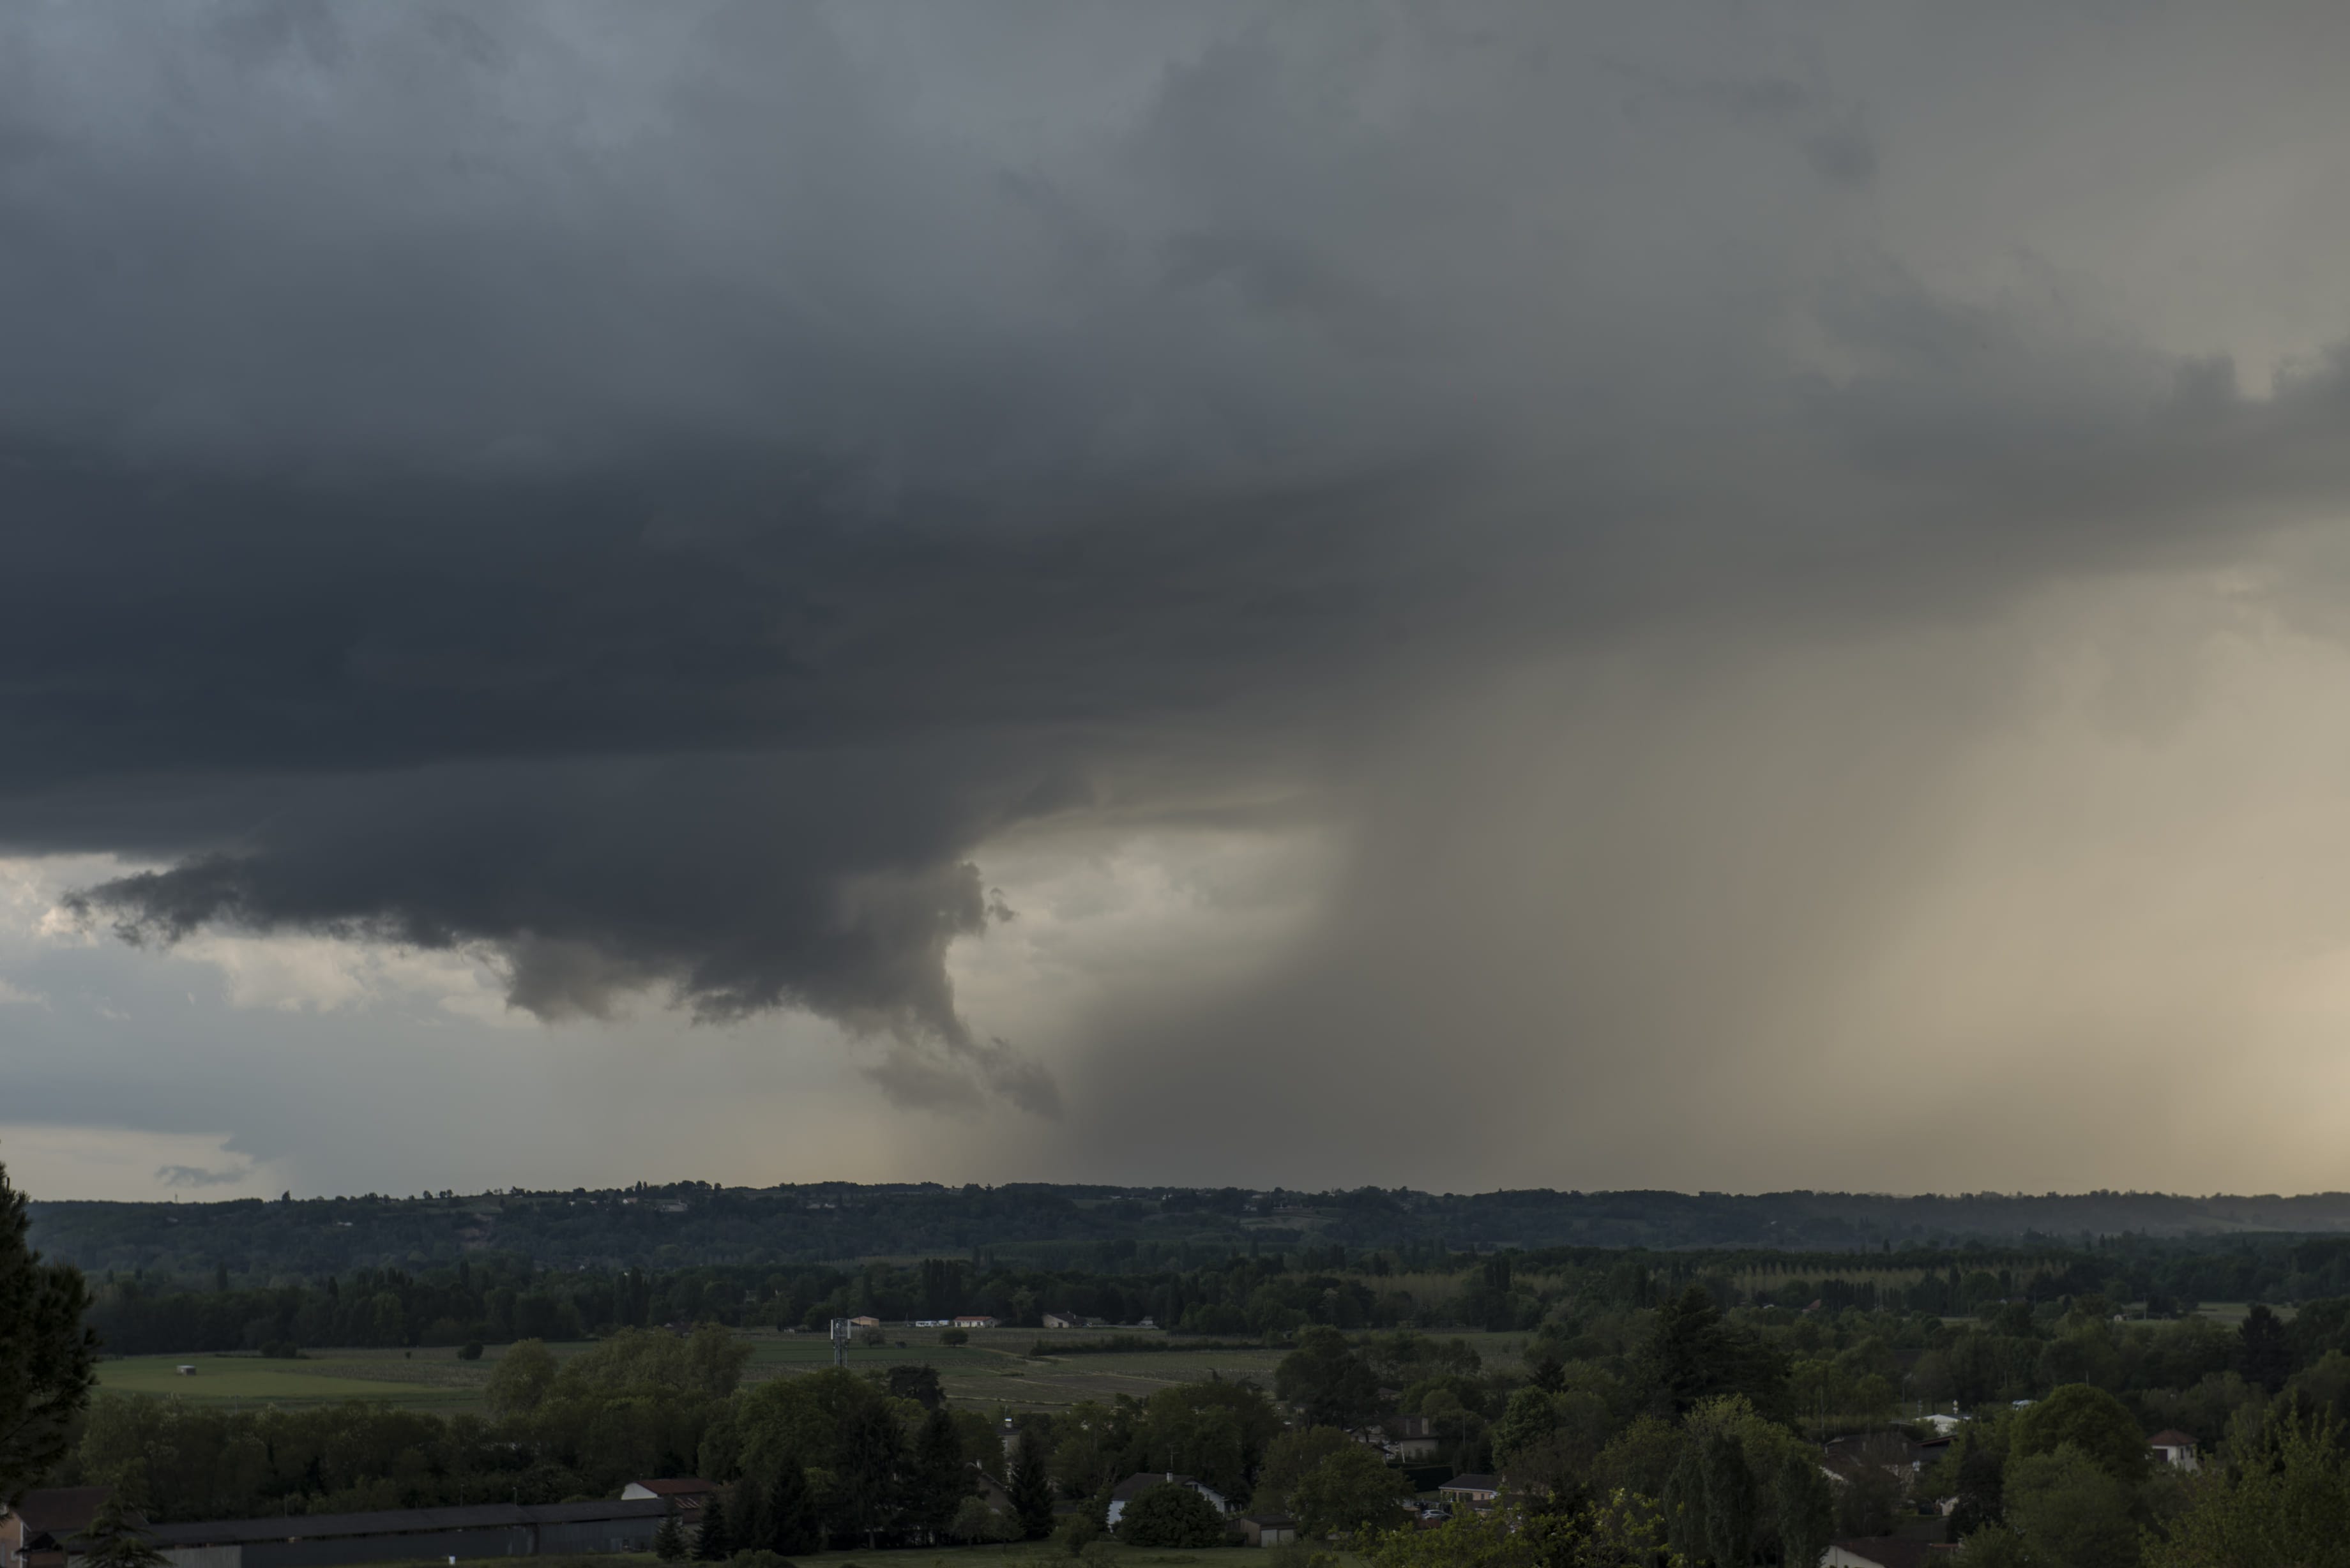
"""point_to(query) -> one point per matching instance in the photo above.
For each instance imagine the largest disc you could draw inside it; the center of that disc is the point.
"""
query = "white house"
(2175, 1448)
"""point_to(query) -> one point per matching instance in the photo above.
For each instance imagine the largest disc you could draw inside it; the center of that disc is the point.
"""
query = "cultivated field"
(993, 1370)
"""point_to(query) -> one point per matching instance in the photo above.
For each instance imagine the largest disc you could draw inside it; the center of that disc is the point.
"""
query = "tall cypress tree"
(940, 1481)
(790, 1510)
(1032, 1495)
(47, 1359)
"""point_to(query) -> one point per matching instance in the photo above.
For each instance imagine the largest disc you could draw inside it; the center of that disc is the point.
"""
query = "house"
(1133, 1486)
(2175, 1448)
(1267, 1529)
(1476, 1491)
(864, 1323)
(974, 1321)
(413, 1534)
(683, 1496)
(997, 1495)
(1408, 1439)
(34, 1534)
(1063, 1320)
(1884, 1552)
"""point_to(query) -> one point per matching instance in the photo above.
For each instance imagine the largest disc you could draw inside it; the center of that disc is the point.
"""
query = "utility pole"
(841, 1341)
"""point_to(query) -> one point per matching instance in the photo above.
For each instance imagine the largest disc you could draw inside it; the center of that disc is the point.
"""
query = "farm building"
(33, 1533)
(1267, 1529)
(488, 1530)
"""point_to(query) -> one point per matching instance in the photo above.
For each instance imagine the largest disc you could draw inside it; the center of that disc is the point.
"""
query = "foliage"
(2070, 1512)
(1806, 1507)
(713, 1541)
(1031, 1497)
(1621, 1531)
(47, 1358)
(1351, 1490)
(1329, 1384)
(1171, 1514)
(519, 1383)
(2091, 1421)
(1693, 1353)
(113, 1541)
(2283, 1504)
(669, 1541)
(1290, 1457)
(1710, 1503)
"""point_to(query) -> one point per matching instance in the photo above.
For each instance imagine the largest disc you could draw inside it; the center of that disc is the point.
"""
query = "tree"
(975, 1522)
(2289, 1502)
(1979, 1491)
(2266, 1349)
(47, 1358)
(1324, 1377)
(1171, 1514)
(1530, 1419)
(1077, 1533)
(520, 1381)
(714, 1542)
(869, 1460)
(2071, 1512)
(113, 1541)
(937, 1480)
(791, 1517)
(1352, 1489)
(920, 1383)
(1032, 1495)
(669, 1541)
(1291, 1457)
(2093, 1421)
(1806, 1509)
(1710, 1502)
(1693, 1354)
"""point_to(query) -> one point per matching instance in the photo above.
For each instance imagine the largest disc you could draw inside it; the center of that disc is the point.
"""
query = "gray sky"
(1601, 597)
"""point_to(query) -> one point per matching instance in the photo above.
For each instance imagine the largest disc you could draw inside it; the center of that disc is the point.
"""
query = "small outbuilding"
(1267, 1529)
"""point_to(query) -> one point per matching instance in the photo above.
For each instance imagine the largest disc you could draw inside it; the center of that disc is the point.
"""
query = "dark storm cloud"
(648, 491)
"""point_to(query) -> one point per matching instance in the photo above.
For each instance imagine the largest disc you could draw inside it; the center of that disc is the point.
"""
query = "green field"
(245, 1379)
(993, 1370)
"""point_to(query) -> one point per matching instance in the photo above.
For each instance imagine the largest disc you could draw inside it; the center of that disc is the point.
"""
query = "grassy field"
(993, 1370)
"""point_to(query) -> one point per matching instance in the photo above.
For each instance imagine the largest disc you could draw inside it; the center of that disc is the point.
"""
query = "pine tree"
(669, 1541)
(790, 1509)
(113, 1541)
(712, 1544)
(1031, 1496)
(47, 1359)
(940, 1481)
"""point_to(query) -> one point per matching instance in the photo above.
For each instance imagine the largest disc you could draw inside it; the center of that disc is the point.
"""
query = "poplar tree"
(47, 1358)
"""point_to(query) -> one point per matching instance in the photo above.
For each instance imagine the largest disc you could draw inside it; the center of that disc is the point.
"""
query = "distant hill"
(694, 1224)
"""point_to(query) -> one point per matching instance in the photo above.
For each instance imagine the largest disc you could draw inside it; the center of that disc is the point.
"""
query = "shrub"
(470, 1351)
(1172, 1515)
(954, 1336)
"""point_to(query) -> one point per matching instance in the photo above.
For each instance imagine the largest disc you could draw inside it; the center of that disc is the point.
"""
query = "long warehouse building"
(412, 1534)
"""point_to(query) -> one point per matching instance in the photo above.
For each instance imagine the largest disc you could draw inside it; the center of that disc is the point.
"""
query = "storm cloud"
(654, 495)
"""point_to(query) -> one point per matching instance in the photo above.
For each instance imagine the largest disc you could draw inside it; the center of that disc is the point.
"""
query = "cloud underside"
(650, 495)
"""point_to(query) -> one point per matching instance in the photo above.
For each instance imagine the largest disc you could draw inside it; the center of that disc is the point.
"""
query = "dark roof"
(1141, 1482)
(2170, 1437)
(1888, 1551)
(677, 1486)
(1284, 1521)
(1472, 1483)
(398, 1521)
(67, 1509)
